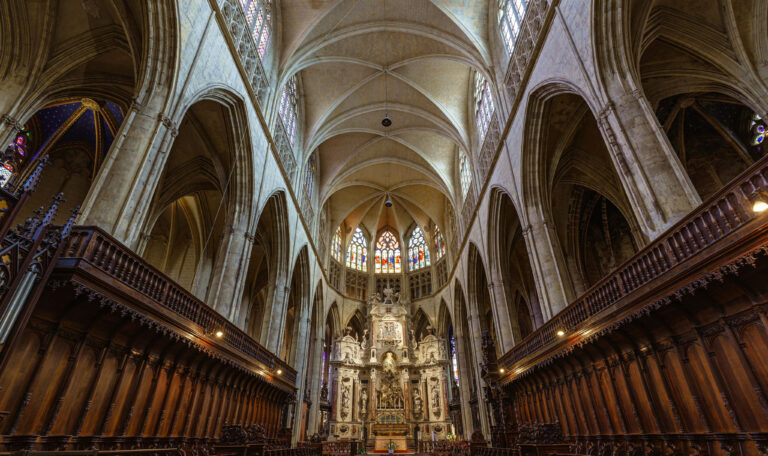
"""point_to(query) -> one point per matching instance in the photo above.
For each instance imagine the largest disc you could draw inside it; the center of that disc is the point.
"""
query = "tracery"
(418, 252)
(357, 251)
(387, 254)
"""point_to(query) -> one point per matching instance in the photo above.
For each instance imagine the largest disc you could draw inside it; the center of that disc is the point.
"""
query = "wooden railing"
(340, 448)
(91, 247)
(299, 451)
(661, 261)
(443, 447)
(143, 451)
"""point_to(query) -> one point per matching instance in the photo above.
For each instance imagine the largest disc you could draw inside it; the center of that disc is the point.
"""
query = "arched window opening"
(310, 176)
(483, 105)
(356, 252)
(716, 137)
(76, 135)
(418, 253)
(606, 240)
(258, 15)
(387, 254)
(336, 244)
(465, 173)
(524, 320)
(439, 243)
(511, 14)
(289, 109)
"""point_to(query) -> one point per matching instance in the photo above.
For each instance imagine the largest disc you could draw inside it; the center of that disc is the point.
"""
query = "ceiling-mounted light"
(388, 202)
(386, 121)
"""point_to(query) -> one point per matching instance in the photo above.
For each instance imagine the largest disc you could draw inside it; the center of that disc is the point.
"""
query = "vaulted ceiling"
(360, 59)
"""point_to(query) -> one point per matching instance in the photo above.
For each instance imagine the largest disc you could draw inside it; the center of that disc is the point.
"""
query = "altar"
(387, 386)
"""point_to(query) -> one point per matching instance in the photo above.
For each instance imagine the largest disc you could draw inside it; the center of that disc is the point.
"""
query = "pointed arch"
(296, 308)
(508, 255)
(268, 260)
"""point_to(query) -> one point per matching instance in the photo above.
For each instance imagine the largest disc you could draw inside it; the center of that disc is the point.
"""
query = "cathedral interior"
(340, 227)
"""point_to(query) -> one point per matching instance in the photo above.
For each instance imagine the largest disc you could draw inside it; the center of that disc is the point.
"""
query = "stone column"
(657, 185)
(300, 364)
(274, 321)
(316, 377)
(550, 271)
(477, 344)
(229, 272)
(503, 320)
(121, 194)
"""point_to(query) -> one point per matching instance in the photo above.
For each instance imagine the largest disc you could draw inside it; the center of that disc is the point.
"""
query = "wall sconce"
(560, 333)
(219, 333)
(279, 371)
(501, 370)
(759, 200)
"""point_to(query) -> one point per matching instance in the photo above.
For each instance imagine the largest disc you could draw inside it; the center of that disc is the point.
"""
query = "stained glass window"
(309, 176)
(511, 14)
(759, 131)
(14, 156)
(483, 105)
(289, 108)
(387, 254)
(418, 253)
(439, 244)
(322, 369)
(336, 244)
(357, 251)
(465, 173)
(258, 15)
(454, 360)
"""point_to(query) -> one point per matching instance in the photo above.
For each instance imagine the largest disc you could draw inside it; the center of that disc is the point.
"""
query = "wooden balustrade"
(124, 452)
(443, 447)
(340, 448)
(91, 250)
(678, 251)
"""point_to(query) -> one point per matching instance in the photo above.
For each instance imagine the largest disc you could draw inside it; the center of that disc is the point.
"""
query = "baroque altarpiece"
(387, 387)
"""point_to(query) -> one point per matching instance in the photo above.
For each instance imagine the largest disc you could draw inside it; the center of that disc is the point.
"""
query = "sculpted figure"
(364, 401)
(418, 402)
(345, 398)
(435, 397)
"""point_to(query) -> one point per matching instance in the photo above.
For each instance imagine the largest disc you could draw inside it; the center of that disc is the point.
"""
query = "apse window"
(356, 252)
(511, 14)
(289, 109)
(418, 253)
(258, 16)
(387, 254)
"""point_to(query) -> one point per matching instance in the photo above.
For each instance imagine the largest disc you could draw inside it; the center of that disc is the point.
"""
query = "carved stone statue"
(364, 343)
(414, 342)
(418, 403)
(363, 401)
(345, 400)
(435, 400)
